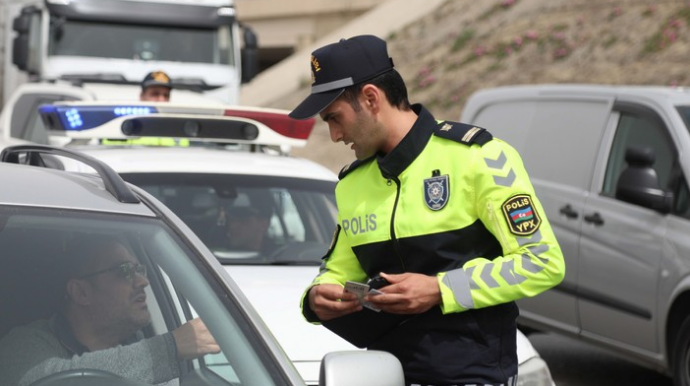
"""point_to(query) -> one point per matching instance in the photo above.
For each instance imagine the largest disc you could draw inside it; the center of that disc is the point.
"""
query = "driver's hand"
(194, 340)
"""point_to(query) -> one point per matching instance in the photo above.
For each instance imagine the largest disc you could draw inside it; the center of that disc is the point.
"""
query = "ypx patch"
(521, 215)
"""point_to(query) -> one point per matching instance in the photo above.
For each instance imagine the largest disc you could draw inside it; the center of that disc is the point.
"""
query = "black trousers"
(512, 381)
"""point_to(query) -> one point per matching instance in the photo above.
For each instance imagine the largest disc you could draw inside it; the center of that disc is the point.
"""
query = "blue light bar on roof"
(77, 118)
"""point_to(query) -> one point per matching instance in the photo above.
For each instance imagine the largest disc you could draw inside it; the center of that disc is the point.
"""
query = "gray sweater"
(29, 353)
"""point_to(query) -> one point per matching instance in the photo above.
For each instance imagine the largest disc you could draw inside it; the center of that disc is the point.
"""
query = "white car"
(236, 164)
(43, 212)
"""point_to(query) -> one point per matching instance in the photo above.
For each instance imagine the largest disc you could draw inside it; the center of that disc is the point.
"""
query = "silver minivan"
(610, 165)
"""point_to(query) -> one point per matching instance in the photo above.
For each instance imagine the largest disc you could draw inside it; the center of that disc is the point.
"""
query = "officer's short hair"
(390, 82)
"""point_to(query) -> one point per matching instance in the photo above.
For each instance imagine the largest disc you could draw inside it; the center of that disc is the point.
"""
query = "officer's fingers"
(332, 298)
(384, 298)
(328, 310)
(393, 278)
(331, 292)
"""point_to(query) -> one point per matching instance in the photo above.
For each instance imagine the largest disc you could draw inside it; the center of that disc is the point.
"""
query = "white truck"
(197, 42)
(59, 50)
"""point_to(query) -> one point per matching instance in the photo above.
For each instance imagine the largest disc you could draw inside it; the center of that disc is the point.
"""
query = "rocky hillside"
(467, 45)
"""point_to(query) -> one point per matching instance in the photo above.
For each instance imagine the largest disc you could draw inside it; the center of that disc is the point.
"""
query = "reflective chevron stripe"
(498, 165)
(461, 281)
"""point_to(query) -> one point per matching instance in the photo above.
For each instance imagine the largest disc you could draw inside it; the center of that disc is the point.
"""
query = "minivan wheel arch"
(678, 318)
(680, 358)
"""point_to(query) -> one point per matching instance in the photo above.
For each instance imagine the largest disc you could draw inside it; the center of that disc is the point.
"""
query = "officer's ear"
(371, 97)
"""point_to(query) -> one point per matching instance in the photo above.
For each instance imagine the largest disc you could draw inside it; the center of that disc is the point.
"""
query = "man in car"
(156, 87)
(246, 229)
(99, 325)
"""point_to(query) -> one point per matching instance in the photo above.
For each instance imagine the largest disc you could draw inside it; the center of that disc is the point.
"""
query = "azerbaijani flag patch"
(521, 215)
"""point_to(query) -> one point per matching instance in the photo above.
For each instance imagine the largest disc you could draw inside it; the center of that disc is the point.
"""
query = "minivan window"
(682, 206)
(684, 112)
(558, 131)
(643, 130)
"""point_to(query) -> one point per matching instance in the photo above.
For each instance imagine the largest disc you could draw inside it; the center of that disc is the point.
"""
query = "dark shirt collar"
(62, 330)
(395, 162)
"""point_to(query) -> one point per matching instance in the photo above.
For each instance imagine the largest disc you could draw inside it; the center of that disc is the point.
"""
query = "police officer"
(442, 211)
(156, 87)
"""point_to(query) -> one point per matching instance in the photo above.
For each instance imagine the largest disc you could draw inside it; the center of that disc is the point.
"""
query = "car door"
(621, 244)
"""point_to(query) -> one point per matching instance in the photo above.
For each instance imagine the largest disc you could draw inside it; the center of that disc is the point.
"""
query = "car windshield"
(37, 256)
(248, 219)
(142, 42)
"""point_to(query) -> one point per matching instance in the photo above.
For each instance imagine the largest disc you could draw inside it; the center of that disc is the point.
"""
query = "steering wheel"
(85, 377)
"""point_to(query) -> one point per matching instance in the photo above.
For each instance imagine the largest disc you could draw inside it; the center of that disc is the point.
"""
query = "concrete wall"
(289, 76)
(298, 23)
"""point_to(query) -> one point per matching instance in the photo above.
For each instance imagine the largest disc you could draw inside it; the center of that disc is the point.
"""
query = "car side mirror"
(250, 55)
(360, 368)
(22, 56)
(639, 183)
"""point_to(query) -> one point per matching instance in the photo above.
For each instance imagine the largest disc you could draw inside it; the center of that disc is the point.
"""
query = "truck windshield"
(140, 42)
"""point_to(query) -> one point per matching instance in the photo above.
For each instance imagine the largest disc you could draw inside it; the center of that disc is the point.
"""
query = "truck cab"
(119, 41)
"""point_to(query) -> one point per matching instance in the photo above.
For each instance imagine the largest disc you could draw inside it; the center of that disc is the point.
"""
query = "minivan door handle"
(594, 218)
(568, 211)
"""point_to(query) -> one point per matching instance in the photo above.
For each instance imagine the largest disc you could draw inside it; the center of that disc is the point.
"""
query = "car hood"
(276, 292)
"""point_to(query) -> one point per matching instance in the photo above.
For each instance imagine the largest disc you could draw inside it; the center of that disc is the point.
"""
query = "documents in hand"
(361, 290)
(364, 327)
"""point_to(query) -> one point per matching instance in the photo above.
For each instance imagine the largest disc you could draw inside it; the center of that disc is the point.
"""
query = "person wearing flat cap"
(441, 212)
(156, 87)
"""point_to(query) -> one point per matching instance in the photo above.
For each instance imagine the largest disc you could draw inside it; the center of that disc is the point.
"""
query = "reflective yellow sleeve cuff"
(448, 302)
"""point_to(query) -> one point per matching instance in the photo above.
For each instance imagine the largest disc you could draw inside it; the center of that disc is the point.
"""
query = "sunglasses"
(125, 270)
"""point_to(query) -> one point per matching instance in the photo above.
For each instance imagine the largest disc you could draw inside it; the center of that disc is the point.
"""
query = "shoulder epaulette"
(463, 133)
(350, 167)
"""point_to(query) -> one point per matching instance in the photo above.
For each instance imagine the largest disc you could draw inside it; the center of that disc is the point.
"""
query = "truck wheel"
(681, 355)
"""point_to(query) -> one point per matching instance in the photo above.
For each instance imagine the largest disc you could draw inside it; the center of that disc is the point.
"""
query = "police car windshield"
(247, 219)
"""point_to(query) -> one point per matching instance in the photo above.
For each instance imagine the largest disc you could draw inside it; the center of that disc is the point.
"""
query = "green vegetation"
(462, 40)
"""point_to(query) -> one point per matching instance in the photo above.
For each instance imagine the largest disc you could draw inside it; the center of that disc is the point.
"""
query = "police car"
(227, 173)
(43, 211)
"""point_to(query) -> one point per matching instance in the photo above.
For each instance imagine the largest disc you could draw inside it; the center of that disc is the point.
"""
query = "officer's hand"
(193, 340)
(408, 293)
(330, 301)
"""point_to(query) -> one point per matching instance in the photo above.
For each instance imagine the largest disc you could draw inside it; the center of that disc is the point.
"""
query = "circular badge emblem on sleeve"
(436, 191)
(521, 215)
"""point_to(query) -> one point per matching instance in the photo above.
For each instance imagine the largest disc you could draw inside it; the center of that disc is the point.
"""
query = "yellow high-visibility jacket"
(453, 202)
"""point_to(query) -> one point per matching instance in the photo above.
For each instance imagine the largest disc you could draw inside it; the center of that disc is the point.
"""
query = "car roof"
(677, 95)
(49, 188)
(140, 159)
